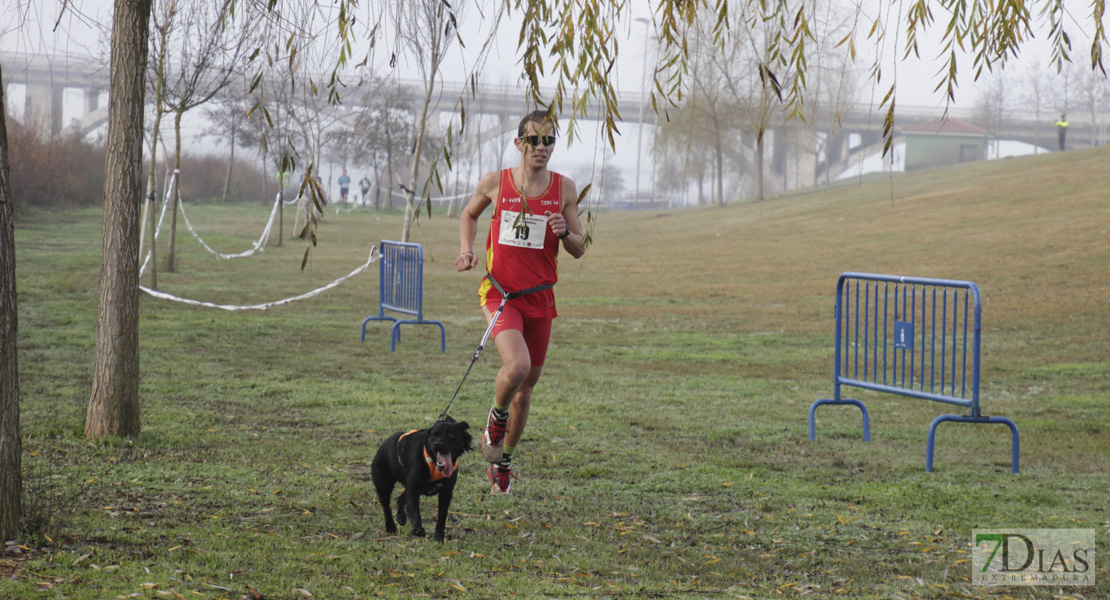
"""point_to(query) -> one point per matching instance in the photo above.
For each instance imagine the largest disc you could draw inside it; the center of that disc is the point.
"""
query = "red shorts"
(536, 332)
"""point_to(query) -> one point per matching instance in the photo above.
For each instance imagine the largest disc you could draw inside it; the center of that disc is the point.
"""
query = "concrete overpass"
(48, 77)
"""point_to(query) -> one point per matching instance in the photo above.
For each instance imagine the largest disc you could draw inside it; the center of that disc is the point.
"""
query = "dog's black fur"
(402, 461)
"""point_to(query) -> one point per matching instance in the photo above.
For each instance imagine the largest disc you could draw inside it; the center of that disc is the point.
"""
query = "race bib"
(522, 231)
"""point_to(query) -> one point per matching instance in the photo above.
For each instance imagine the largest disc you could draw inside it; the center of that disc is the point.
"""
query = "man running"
(344, 186)
(365, 186)
(534, 209)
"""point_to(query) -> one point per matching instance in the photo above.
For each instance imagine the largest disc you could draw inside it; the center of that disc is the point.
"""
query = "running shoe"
(492, 436)
(501, 480)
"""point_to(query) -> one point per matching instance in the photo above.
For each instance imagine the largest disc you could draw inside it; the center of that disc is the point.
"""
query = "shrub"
(203, 177)
(67, 170)
(63, 170)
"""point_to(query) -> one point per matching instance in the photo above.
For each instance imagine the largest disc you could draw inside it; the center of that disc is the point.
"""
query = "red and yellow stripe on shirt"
(521, 250)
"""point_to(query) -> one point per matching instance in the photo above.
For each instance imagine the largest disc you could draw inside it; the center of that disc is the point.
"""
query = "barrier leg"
(396, 335)
(373, 318)
(1015, 442)
(857, 403)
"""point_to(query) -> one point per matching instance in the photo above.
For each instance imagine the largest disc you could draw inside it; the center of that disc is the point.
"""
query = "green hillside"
(667, 454)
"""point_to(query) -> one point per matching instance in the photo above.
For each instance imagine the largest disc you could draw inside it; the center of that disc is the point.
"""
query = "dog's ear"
(468, 442)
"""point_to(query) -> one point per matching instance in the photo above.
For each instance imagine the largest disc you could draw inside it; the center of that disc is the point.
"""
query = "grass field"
(667, 455)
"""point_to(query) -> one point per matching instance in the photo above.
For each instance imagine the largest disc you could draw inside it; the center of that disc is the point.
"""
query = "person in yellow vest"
(1062, 130)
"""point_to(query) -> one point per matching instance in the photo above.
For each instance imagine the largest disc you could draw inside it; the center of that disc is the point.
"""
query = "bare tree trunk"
(759, 165)
(152, 224)
(231, 160)
(11, 478)
(114, 406)
(410, 194)
(281, 208)
(389, 169)
(453, 203)
(150, 206)
(265, 181)
(174, 195)
(720, 171)
(377, 189)
(150, 203)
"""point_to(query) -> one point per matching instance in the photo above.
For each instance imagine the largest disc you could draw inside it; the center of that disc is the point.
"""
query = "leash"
(489, 329)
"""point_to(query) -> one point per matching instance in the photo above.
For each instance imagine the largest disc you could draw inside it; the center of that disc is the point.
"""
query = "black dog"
(425, 462)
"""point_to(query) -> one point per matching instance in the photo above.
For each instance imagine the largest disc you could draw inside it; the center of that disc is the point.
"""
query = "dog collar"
(436, 474)
(432, 468)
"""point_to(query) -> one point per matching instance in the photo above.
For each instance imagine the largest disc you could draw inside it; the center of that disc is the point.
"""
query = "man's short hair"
(537, 116)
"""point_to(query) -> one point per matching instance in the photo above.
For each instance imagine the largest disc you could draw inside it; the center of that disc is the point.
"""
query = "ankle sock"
(506, 463)
(500, 414)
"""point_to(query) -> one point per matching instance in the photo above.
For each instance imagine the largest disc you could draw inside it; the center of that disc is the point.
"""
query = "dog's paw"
(402, 516)
(439, 537)
(391, 529)
(419, 532)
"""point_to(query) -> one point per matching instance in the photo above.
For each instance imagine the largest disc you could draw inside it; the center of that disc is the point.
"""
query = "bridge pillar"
(92, 100)
(803, 144)
(836, 148)
(43, 104)
(836, 151)
(779, 148)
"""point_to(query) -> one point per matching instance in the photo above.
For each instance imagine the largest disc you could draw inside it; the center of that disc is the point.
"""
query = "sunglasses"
(536, 140)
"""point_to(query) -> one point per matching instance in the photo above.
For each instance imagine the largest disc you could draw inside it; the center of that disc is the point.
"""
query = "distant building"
(943, 142)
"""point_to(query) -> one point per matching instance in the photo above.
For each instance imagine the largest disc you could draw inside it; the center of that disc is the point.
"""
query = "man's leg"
(535, 335)
(515, 368)
(521, 405)
(500, 473)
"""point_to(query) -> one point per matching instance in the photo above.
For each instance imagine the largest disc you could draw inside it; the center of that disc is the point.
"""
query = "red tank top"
(521, 250)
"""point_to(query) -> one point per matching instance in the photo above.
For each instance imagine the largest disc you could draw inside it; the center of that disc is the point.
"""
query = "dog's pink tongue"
(446, 464)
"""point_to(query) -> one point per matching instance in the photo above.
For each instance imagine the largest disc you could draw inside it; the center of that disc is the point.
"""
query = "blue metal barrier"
(914, 337)
(401, 289)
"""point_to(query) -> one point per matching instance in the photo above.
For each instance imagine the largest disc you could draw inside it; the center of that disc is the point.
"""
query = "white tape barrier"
(164, 296)
(374, 256)
(161, 219)
(257, 245)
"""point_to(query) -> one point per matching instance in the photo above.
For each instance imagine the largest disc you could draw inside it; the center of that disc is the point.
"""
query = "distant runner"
(344, 186)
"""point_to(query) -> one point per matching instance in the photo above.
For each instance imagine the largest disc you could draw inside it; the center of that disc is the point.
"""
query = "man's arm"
(468, 221)
(567, 221)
